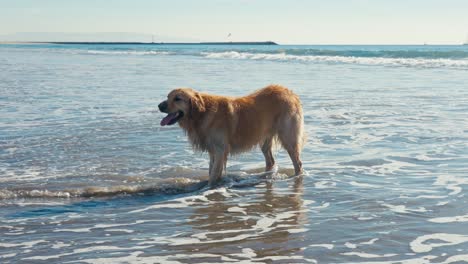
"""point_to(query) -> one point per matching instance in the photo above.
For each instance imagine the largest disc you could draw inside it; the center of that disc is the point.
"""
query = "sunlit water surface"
(87, 175)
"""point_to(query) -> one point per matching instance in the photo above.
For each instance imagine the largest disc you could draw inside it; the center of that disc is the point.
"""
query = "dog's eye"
(177, 99)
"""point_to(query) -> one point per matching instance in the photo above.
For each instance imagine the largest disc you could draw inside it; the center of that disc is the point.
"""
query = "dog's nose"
(163, 106)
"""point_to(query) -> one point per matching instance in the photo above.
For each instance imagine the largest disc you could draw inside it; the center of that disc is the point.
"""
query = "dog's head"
(181, 103)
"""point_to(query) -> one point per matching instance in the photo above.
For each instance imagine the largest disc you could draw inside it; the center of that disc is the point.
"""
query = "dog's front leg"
(216, 169)
(211, 161)
(218, 158)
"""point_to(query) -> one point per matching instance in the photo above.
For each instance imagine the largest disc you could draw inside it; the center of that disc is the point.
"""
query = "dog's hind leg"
(291, 135)
(294, 154)
(266, 149)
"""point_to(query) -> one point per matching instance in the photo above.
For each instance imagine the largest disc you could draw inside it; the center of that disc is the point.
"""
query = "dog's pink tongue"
(167, 119)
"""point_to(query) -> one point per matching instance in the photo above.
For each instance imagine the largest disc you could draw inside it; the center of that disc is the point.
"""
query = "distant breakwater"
(160, 43)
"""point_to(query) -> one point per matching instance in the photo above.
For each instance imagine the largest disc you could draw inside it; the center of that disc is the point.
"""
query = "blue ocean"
(88, 175)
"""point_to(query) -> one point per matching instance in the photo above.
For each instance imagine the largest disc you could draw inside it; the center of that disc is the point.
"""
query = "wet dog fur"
(222, 125)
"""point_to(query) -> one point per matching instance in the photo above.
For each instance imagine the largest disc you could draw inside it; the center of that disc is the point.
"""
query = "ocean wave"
(384, 61)
(456, 59)
(168, 186)
(384, 52)
(128, 52)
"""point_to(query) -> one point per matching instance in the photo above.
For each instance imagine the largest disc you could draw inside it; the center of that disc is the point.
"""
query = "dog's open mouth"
(172, 118)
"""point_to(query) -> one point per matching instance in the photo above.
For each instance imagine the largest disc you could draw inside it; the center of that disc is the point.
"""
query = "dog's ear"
(197, 103)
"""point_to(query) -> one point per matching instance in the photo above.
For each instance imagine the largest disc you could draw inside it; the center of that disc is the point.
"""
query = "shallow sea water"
(87, 175)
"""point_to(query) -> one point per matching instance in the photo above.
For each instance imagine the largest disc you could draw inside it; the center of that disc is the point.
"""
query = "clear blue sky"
(287, 22)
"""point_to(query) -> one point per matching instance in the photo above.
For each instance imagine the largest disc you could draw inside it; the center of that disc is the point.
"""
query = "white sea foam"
(120, 230)
(367, 255)
(200, 238)
(365, 185)
(430, 196)
(46, 257)
(111, 225)
(29, 174)
(419, 246)
(420, 260)
(325, 184)
(108, 227)
(460, 218)
(370, 242)
(427, 158)
(307, 202)
(246, 253)
(350, 245)
(86, 250)
(264, 223)
(10, 255)
(236, 209)
(129, 52)
(74, 230)
(403, 209)
(60, 245)
(223, 191)
(355, 245)
(159, 206)
(107, 248)
(327, 246)
(28, 244)
(322, 206)
(186, 201)
(408, 62)
(132, 258)
(456, 259)
(297, 230)
(451, 182)
(286, 258)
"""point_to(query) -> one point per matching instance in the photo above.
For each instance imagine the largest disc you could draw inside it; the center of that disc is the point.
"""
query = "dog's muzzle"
(163, 107)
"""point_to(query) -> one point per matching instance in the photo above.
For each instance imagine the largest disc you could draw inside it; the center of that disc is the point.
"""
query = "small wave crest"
(167, 186)
(405, 58)
(128, 52)
(384, 61)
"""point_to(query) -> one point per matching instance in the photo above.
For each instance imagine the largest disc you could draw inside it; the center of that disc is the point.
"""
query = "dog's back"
(273, 111)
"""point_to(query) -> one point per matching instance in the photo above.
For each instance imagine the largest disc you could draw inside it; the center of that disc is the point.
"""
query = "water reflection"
(269, 225)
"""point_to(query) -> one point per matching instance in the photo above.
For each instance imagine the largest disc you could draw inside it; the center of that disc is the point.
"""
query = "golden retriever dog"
(224, 125)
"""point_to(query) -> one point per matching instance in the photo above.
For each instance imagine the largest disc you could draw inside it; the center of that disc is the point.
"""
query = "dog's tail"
(291, 133)
(276, 144)
(302, 133)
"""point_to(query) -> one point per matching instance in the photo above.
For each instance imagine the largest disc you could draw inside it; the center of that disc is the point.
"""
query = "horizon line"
(269, 42)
